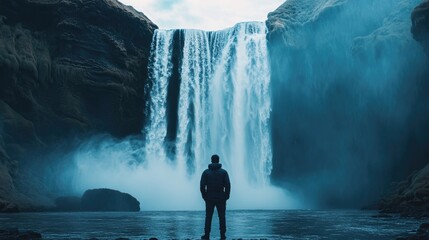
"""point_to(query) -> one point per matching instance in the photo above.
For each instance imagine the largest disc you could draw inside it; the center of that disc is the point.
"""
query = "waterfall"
(224, 100)
(209, 93)
(159, 74)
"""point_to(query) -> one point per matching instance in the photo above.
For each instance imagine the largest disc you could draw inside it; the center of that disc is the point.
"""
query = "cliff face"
(67, 68)
(420, 28)
(350, 97)
(411, 197)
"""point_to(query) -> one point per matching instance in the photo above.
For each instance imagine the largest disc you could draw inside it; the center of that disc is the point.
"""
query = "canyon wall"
(350, 98)
(68, 69)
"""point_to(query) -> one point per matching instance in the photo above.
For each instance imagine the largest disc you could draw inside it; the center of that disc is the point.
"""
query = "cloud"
(165, 5)
(203, 14)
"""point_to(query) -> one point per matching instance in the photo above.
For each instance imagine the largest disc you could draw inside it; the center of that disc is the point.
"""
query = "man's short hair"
(215, 159)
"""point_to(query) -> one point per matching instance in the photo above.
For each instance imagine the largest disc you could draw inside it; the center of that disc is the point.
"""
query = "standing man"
(215, 188)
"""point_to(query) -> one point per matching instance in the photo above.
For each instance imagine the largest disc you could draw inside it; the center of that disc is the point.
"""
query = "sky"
(203, 14)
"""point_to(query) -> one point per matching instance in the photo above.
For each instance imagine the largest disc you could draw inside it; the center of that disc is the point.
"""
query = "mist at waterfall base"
(350, 101)
(159, 185)
(222, 107)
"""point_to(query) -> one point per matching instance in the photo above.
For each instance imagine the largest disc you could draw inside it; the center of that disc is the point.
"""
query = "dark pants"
(221, 208)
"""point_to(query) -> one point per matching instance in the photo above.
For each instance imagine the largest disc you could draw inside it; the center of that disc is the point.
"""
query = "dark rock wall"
(350, 98)
(410, 198)
(420, 27)
(67, 68)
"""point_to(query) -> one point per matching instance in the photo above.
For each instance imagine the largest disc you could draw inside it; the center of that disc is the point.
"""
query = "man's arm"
(227, 185)
(203, 183)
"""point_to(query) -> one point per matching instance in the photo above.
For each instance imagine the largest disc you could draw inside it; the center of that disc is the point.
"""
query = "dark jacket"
(214, 184)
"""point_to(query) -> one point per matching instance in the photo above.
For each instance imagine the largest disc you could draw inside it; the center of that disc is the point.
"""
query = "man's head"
(215, 159)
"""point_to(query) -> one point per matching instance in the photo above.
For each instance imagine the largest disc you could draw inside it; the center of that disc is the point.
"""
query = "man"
(215, 188)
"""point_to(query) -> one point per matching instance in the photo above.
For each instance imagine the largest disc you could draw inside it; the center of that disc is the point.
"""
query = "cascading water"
(224, 102)
(160, 69)
(223, 108)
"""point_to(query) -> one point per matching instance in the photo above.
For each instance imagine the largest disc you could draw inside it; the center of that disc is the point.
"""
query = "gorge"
(324, 105)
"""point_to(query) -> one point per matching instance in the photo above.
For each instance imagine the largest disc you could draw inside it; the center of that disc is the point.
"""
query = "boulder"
(30, 235)
(422, 233)
(15, 234)
(8, 207)
(109, 200)
(9, 233)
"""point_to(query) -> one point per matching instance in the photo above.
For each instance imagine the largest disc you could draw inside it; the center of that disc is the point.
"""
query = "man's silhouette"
(215, 188)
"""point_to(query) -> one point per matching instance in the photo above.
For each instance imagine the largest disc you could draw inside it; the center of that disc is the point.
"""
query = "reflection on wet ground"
(287, 224)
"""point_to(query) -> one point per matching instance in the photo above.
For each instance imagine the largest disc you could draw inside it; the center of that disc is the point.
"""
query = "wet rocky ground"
(15, 234)
(241, 224)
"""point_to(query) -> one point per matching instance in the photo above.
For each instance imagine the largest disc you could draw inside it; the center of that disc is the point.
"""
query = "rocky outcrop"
(420, 28)
(97, 200)
(8, 207)
(15, 234)
(421, 234)
(411, 197)
(350, 96)
(109, 200)
(67, 68)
